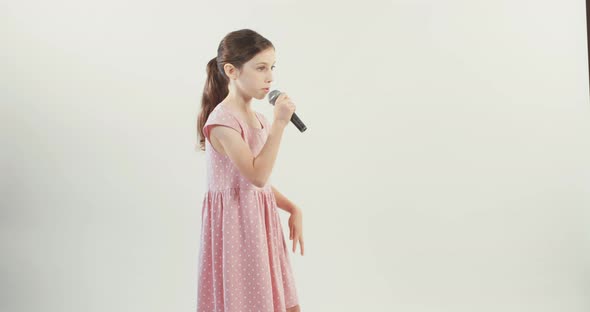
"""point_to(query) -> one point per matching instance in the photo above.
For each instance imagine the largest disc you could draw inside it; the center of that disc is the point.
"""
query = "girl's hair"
(236, 48)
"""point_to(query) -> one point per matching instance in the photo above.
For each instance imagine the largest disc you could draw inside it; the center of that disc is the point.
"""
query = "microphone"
(272, 97)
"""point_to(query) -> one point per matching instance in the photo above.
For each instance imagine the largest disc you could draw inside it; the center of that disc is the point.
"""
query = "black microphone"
(272, 97)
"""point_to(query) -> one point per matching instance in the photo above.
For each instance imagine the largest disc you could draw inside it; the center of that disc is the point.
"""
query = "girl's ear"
(231, 71)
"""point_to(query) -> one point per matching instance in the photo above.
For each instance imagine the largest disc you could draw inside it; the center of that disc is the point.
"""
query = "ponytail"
(216, 89)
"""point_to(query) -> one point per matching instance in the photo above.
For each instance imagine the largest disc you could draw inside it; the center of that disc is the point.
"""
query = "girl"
(244, 264)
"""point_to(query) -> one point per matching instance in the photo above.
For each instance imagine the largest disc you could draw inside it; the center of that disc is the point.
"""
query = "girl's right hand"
(284, 108)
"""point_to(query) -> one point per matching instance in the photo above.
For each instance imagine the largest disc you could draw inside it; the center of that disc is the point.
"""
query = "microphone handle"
(298, 123)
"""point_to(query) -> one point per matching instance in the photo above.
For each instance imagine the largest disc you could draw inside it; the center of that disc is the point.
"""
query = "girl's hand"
(284, 108)
(296, 228)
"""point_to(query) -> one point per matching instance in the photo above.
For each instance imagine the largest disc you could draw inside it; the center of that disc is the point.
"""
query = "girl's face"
(256, 75)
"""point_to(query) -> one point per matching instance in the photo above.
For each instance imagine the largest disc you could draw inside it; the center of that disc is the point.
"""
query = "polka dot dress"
(243, 259)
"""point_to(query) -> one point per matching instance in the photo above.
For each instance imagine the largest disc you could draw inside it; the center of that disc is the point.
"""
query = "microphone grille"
(273, 95)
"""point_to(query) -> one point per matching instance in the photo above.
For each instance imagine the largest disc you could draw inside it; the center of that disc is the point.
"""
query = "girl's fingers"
(301, 244)
(298, 238)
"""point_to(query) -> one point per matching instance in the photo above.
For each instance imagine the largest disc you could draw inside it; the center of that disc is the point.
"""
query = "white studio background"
(445, 166)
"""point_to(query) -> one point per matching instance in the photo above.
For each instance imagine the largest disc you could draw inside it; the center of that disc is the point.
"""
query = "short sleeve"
(220, 117)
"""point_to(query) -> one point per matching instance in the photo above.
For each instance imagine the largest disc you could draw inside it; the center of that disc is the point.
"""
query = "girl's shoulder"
(221, 116)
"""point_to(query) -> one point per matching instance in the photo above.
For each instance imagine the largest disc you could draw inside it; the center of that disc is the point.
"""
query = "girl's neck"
(243, 107)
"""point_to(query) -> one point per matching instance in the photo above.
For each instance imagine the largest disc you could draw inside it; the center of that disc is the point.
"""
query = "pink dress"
(243, 259)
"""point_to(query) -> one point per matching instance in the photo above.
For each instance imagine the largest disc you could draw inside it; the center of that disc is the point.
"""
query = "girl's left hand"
(296, 228)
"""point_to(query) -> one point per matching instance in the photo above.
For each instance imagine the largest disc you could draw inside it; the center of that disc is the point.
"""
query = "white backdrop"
(445, 165)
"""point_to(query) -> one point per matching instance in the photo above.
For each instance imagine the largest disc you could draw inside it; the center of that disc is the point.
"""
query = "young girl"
(244, 264)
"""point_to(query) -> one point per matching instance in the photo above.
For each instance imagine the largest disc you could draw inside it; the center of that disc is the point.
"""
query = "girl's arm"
(256, 169)
(283, 202)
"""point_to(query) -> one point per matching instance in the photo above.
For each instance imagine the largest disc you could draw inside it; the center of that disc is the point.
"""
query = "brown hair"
(236, 48)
